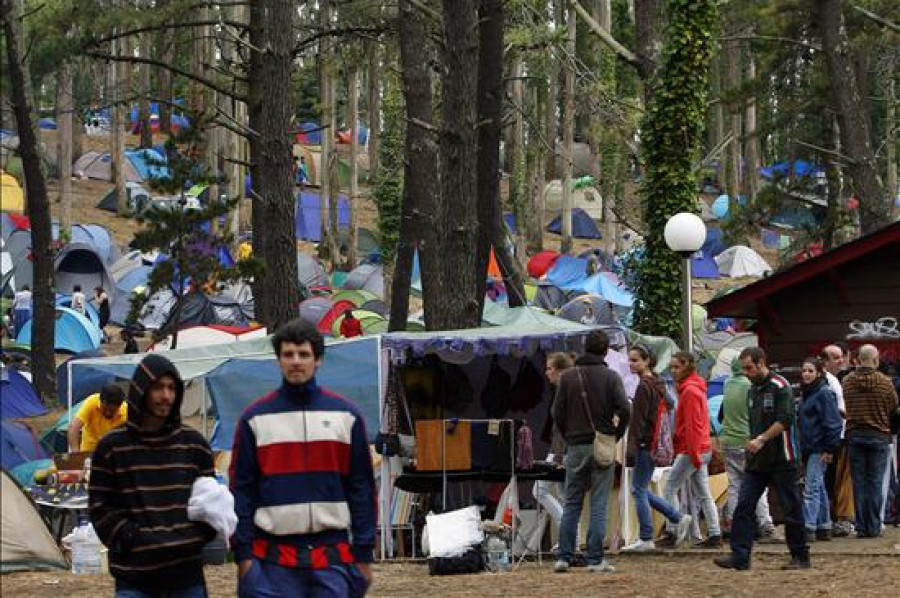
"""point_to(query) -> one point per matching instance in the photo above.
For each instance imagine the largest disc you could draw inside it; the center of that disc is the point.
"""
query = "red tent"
(541, 262)
(336, 311)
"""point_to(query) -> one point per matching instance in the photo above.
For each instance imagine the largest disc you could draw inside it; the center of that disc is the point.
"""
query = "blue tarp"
(74, 333)
(237, 383)
(797, 168)
(18, 444)
(582, 225)
(17, 396)
(308, 219)
(149, 163)
(601, 284)
(566, 271)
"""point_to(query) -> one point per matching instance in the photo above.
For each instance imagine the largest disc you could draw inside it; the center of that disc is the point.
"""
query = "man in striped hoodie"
(141, 480)
(301, 475)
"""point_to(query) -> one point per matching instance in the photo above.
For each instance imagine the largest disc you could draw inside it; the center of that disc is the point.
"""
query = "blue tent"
(582, 225)
(18, 444)
(98, 237)
(510, 219)
(74, 332)
(308, 219)
(17, 396)
(87, 382)
(704, 266)
(47, 123)
(601, 284)
(719, 207)
(797, 168)
(149, 163)
(313, 132)
(125, 286)
(237, 383)
(567, 271)
(63, 300)
(715, 242)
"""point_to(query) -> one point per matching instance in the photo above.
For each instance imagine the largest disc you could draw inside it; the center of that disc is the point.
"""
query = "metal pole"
(686, 308)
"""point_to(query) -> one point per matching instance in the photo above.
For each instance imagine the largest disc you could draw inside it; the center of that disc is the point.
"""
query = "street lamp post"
(685, 234)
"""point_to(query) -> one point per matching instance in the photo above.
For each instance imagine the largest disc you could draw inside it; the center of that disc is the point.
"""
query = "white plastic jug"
(87, 557)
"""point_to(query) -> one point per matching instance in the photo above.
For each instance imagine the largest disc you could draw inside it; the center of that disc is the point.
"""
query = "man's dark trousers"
(743, 526)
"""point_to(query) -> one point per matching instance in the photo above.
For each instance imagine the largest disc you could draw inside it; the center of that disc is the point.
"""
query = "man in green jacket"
(735, 434)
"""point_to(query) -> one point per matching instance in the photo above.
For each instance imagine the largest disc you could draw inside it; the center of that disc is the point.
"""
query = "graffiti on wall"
(882, 328)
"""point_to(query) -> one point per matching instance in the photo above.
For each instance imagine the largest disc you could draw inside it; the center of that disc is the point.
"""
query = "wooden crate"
(428, 445)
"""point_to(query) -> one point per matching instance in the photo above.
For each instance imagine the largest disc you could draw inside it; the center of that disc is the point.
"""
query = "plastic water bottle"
(498, 555)
(86, 547)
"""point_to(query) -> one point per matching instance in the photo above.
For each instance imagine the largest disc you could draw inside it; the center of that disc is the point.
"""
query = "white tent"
(207, 336)
(740, 260)
(587, 199)
(25, 541)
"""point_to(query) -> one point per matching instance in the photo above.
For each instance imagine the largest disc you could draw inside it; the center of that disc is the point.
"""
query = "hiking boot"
(603, 567)
(810, 536)
(682, 529)
(796, 564)
(823, 535)
(561, 567)
(666, 541)
(768, 535)
(710, 542)
(640, 546)
(729, 562)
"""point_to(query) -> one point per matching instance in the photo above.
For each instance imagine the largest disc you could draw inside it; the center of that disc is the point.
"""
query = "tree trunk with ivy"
(672, 133)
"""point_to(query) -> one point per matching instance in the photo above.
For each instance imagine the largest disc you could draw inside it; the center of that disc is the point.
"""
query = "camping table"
(60, 505)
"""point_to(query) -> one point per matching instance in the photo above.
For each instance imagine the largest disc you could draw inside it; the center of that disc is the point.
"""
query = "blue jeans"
(583, 474)
(266, 579)
(644, 499)
(743, 529)
(868, 460)
(683, 470)
(127, 590)
(815, 499)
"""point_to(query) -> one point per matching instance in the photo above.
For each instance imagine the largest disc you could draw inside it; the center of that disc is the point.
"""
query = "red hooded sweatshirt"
(692, 419)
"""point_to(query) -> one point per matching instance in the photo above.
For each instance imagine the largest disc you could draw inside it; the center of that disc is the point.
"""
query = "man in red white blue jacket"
(302, 481)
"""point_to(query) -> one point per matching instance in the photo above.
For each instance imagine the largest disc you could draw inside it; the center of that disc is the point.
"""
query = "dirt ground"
(843, 567)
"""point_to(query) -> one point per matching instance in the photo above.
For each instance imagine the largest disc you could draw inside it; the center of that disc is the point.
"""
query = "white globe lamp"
(685, 234)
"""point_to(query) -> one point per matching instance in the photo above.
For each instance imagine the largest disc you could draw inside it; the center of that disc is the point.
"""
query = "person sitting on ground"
(98, 414)
(350, 326)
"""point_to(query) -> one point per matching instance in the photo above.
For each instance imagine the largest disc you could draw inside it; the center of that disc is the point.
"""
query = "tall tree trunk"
(328, 198)
(236, 144)
(751, 139)
(258, 29)
(419, 220)
(165, 49)
(117, 128)
(353, 115)
(890, 125)
(648, 23)
(43, 364)
(459, 305)
(568, 126)
(733, 152)
(146, 92)
(65, 118)
(373, 105)
(856, 137)
(552, 132)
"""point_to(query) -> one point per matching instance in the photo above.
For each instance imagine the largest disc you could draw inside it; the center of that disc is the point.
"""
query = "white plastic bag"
(451, 534)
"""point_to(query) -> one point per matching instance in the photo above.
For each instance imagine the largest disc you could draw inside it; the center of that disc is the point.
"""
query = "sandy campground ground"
(843, 567)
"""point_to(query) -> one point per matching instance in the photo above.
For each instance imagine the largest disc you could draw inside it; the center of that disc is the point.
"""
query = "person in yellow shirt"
(98, 414)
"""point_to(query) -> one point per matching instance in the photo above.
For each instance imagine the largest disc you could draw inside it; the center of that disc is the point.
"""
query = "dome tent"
(740, 260)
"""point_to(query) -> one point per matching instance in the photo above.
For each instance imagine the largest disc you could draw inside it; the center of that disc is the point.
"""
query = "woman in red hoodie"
(693, 449)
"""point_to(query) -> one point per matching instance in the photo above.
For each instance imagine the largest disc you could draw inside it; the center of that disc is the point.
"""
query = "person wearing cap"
(98, 414)
(142, 475)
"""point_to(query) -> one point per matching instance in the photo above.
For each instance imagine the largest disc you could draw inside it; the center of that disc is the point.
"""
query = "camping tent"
(94, 165)
(126, 284)
(224, 309)
(740, 260)
(549, 296)
(11, 197)
(308, 219)
(25, 541)
(310, 272)
(82, 264)
(604, 284)
(149, 163)
(15, 261)
(98, 237)
(566, 270)
(87, 383)
(312, 310)
(136, 195)
(17, 396)
(587, 199)
(582, 225)
(369, 277)
(206, 336)
(18, 444)
(703, 265)
(74, 333)
(541, 262)
(591, 310)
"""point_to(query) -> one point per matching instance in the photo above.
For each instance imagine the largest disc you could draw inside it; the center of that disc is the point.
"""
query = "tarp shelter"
(310, 272)
(11, 197)
(81, 264)
(369, 277)
(207, 336)
(17, 396)
(541, 262)
(25, 541)
(604, 284)
(94, 165)
(582, 225)
(98, 237)
(136, 195)
(74, 333)
(566, 270)
(740, 260)
(18, 444)
(308, 219)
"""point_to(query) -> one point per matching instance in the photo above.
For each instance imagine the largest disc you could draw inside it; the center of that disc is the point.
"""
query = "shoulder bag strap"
(584, 397)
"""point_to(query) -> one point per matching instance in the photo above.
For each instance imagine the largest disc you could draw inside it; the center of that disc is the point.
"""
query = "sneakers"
(729, 562)
(666, 541)
(710, 542)
(842, 529)
(797, 564)
(681, 530)
(823, 535)
(810, 536)
(768, 535)
(561, 567)
(640, 546)
(603, 567)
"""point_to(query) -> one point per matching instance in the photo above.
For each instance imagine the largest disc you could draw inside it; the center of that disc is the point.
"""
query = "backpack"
(662, 450)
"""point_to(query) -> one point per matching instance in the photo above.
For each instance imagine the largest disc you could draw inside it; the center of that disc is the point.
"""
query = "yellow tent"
(11, 197)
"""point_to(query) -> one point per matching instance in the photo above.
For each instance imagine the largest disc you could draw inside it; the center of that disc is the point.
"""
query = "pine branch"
(620, 50)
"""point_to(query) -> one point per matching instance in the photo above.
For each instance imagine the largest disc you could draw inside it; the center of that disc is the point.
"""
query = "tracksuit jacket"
(301, 475)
